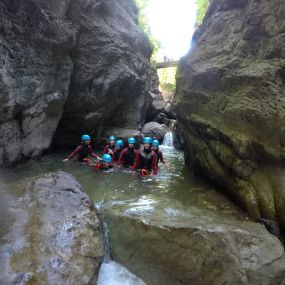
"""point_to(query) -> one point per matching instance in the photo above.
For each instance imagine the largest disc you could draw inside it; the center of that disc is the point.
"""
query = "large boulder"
(54, 235)
(85, 62)
(168, 245)
(178, 140)
(230, 103)
(155, 130)
(156, 107)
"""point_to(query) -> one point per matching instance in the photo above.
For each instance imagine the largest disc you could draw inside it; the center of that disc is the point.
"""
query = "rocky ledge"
(164, 245)
(53, 235)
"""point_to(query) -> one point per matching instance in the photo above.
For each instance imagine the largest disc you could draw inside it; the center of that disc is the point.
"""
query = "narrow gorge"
(215, 211)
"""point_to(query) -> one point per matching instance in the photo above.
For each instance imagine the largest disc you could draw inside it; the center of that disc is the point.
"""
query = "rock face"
(193, 248)
(230, 103)
(178, 140)
(156, 107)
(55, 238)
(34, 76)
(112, 81)
(86, 62)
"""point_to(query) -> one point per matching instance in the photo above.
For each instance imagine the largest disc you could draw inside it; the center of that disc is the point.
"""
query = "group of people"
(144, 160)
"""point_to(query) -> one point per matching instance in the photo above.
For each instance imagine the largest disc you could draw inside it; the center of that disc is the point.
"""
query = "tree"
(143, 23)
(202, 6)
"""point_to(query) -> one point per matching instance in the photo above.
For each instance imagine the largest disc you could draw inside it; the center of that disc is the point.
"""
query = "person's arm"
(162, 158)
(154, 164)
(136, 163)
(106, 149)
(91, 152)
(74, 152)
(97, 167)
(122, 157)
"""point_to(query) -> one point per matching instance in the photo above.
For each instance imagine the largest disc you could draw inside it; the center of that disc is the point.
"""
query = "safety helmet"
(112, 138)
(85, 138)
(107, 158)
(147, 140)
(119, 143)
(131, 141)
(155, 143)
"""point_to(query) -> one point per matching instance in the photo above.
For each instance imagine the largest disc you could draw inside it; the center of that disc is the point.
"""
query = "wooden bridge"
(166, 64)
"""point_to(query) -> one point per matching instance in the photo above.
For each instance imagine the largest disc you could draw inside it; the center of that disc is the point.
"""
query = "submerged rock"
(55, 237)
(230, 103)
(173, 246)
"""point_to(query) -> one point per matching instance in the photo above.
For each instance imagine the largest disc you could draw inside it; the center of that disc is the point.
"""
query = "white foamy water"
(168, 140)
(112, 273)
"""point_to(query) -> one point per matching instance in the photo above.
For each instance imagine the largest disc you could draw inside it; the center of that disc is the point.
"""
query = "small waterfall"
(107, 256)
(168, 140)
(112, 273)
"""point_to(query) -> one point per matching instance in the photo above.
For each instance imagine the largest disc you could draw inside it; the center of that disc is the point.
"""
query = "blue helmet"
(155, 143)
(119, 143)
(112, 138)
(107, 158)
(131, 141)
(85, 138)
(147, 140)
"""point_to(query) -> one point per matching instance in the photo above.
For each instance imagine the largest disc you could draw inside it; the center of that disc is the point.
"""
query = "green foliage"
(143, 23)
(167, 79)
(202, 6)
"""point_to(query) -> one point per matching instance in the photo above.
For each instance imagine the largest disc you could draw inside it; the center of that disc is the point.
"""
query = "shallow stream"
(174, 192)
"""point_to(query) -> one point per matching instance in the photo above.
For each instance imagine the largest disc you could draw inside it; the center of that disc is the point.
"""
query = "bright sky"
(172, 24)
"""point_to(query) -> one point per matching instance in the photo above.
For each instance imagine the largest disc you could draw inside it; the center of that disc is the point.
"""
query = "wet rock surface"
(84, 63)
(34, 76)
(156, 107)
(155, 130)
(164, 245)
(54, 236)
(112, 81)
(230, 103)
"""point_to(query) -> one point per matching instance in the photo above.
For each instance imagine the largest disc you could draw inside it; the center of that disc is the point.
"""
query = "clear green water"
(176, 183)
(173, 194)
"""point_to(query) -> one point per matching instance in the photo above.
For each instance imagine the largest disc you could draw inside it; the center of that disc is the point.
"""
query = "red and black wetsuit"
(100, 166)
(146, 160)
(117, 153)
(159, 156)
(82, 152)
(127, 157)
(107, 147)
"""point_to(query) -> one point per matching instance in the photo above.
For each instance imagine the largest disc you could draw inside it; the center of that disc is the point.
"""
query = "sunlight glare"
(172, 24)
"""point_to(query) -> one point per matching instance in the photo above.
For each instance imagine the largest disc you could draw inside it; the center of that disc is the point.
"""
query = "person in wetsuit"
(83, 151)
(127, 157)
(117, 152)
(110, 147)
(106, 163)
(158, 152)
(145, 160)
